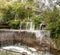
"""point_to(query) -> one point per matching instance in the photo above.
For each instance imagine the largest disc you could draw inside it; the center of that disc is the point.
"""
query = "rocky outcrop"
(12, 37)
(29, 39)
(44, 4)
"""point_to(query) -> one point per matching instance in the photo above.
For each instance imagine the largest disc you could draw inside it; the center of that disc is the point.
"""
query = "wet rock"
(29, 39)
(24, 53)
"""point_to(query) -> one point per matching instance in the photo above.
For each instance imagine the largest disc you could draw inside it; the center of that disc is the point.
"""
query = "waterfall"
(29, 51)
(28, 26)
(10, 35)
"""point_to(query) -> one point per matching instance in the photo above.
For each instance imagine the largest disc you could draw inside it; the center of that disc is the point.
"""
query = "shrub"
(36, 21)
(14, 24)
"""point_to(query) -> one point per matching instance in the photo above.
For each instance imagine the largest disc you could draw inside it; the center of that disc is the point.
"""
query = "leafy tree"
(6, 12)
(52, 20)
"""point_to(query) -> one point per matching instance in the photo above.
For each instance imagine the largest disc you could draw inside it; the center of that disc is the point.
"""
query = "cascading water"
(22, 48)
(29, 28)
(29, 51)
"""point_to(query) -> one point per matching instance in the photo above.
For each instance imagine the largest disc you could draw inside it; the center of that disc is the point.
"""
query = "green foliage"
(13, 12)
(52, 20)
(21, 13)
(14, 24)
(16, 10)
(7, 12)
(36, 21)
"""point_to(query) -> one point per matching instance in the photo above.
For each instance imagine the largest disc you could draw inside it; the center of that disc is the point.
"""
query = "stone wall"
(8, 37)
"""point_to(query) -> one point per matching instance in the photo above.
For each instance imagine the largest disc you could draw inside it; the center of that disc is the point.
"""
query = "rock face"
(12, 37)
(26, 38)
(44, 4)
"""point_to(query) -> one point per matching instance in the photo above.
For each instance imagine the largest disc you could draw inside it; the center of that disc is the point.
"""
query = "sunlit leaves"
(52, 19)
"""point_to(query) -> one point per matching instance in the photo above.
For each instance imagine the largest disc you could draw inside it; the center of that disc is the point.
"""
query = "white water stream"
(28, 50)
